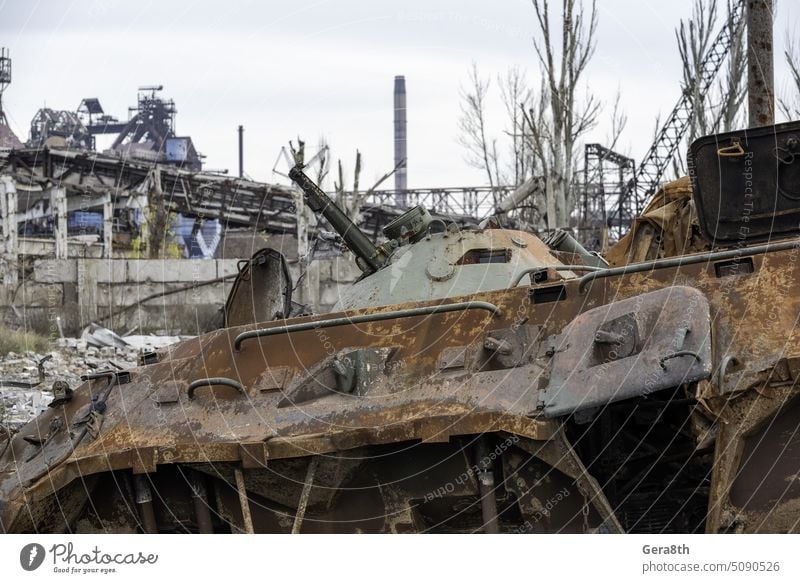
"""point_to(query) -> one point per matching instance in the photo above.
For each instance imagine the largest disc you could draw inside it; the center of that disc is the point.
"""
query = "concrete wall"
(111, 293)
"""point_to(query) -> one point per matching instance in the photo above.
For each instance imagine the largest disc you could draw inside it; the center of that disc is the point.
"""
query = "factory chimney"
(241, 151)
(400, 155)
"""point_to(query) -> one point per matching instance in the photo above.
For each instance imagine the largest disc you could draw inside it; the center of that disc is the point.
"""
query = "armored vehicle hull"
(658, 396)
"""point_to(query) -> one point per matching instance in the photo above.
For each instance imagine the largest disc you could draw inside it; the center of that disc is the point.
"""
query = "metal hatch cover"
(630, 348)
(746, 183)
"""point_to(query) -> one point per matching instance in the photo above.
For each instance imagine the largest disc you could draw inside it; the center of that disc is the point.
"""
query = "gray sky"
(314, 68)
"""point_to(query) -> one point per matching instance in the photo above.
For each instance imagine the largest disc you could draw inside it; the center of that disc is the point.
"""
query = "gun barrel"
(561, 240)
(354, 238)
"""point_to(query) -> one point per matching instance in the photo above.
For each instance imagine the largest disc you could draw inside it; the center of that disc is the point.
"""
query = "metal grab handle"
(664, 359)
(729, 360)
(685, 260)
(530, 270)
(212, 381)
(437, 220)
(735, 150)
(364, 318)
(444, 224)
(105, 374)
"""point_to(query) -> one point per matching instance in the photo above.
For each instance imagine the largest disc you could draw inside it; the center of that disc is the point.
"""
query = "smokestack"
(400, 154)
(760, 76)
(241, 151)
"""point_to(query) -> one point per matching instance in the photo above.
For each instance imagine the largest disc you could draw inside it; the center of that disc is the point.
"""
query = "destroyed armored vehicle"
(470, 381)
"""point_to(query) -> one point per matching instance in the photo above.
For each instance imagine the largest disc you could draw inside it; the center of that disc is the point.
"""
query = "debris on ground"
(26, 379)
(96, 335)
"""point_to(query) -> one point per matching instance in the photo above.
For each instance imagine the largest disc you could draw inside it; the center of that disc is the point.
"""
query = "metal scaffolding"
(606, 207)
(5, 80)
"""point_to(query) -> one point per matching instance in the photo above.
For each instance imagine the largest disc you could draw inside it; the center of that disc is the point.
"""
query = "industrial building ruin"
(67, 209)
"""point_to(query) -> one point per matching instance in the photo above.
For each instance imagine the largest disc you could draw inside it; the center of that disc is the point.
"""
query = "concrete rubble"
(71, 358)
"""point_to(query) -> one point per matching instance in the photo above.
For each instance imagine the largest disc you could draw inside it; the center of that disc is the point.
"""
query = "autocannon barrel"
(354, 238)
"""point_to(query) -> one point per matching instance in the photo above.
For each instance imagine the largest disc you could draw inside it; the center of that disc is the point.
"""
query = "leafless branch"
(789, 104)
(472, 126)
(562, 116)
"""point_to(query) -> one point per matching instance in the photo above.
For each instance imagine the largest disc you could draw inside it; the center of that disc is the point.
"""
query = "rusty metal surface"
(261, 291)
(391, 409)
(745, 183)
(633, 347)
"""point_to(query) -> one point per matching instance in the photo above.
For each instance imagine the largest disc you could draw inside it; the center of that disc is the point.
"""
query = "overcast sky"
(326, 68)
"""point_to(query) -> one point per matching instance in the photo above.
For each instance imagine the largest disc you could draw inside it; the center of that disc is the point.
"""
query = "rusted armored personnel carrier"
(472, 381)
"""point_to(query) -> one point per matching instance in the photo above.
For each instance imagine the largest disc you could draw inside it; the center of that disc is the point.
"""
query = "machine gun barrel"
(354, 238)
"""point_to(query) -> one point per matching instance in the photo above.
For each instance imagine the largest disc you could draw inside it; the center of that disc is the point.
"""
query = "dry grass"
(21, 342)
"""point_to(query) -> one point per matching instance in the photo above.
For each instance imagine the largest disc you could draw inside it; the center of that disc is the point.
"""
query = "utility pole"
(760, 74)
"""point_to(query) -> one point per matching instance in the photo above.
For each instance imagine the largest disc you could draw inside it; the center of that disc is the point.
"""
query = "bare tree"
(159, 216)
(732, 89)
(544, 125)
(516, 94)
(506, 158)
(322, 160)
(559, 119)
(789, 104)
(352, 200)
(694, 36)
(619, 121)
(721, 109)
(481, 149)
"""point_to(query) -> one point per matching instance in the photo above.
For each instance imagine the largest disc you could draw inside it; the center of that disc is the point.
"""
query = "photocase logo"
(31, 556)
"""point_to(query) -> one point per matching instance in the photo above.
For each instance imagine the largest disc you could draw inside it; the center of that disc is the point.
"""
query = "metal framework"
(152, 118)
(147, 133)
(652, 167)
(607, 180)
(477, 202)
(91, 180)
(5, 80)
(50, 123)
